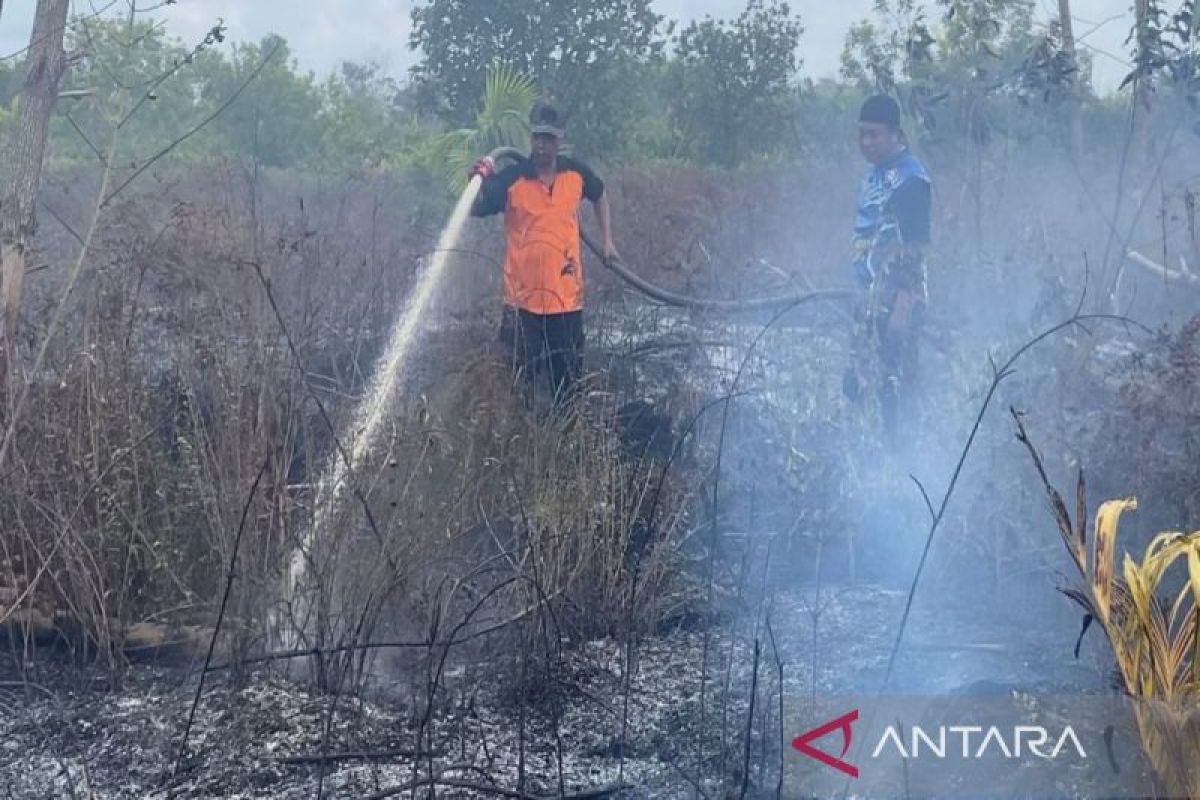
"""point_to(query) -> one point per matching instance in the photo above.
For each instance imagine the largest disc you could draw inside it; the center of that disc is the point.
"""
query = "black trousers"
(884, 352)
(899, 329)
(546, 344)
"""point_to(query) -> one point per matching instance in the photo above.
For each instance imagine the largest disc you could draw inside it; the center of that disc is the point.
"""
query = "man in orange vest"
(543, 270)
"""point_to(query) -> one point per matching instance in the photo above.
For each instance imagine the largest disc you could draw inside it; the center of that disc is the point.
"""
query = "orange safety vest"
(543, 269)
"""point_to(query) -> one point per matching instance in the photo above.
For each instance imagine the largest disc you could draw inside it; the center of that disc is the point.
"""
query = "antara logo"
(1012, 743)
(946, 741)
(803, 743)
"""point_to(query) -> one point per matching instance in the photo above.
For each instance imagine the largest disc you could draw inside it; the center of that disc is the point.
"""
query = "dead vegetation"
(500, 540)
(1153, 637)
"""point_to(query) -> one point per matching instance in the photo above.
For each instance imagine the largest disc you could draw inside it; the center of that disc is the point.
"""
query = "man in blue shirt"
(891, 232)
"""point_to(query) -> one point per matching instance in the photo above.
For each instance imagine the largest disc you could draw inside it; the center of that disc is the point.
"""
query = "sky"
(323, 33)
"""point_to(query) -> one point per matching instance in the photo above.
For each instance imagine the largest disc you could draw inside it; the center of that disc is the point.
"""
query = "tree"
(1143, 34)
(958, 75)
(364, 119)
(1074, 121)
(1165, 53)
(894, 47)
(732, 80)
(277, 116)
(117, 57)
(585, 54)
(44, 67)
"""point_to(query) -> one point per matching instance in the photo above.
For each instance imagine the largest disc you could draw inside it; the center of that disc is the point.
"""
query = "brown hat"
(544, 118)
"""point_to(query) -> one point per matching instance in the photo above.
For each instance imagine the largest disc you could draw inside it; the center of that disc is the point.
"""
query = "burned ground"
(565, 550)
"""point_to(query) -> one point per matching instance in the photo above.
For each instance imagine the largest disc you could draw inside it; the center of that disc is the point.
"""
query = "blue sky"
(324, 33)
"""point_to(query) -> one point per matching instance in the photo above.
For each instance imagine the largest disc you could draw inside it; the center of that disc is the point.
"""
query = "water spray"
(366, 428)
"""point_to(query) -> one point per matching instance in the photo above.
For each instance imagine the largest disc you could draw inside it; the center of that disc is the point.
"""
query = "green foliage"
(721, 91)
(364, 120)
(9, 114)
(731, 81)
(1166, 54)
(502, 121)
(824, 127)
(879, 53)
(587, 55)
(10, 80)
(357, 119)
(1050, 74)
(122, 65)
(274, 118)
(958, 78)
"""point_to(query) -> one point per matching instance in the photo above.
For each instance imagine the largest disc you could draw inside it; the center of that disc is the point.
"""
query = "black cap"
(881, 109)
(544, 118)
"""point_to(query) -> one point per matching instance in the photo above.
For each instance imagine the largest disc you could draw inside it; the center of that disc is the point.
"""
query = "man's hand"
(863, 272)
(610, 253)
(861, 266)
(484, 168)
(903, 308)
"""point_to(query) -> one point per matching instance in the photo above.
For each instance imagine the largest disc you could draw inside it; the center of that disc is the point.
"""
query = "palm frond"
(507, 99)
(503, 121)
(1155, 643)
(1104, 550)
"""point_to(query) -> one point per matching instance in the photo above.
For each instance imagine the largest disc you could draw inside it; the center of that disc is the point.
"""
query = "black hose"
(686, 301)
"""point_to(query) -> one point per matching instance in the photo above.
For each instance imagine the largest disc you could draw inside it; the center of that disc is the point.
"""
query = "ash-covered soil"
(72, 736)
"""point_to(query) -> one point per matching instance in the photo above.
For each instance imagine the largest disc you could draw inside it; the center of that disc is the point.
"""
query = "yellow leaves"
(1151, 640)
(1156, 645)
(1170, 734)
(1194, 629)
(1193, 557)
(1103, 548)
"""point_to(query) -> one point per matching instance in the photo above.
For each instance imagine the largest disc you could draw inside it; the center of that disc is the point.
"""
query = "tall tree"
(277, 117)
(44, 67)
(116, 54)
(586, 54)
(732, 80)
(1074, 120)
(951, 72)
(1144, 39)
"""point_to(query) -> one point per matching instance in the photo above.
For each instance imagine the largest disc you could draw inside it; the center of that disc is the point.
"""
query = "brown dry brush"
(556, 515)
(94, 494)
(1157, 438)
(177, 342)
(145, 438)
(563, 512)
(165, 389)
(566, 529)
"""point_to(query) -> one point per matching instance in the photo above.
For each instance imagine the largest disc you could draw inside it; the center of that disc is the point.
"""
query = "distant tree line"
(633, 85)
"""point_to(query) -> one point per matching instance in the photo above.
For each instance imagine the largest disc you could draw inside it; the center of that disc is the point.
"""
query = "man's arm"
(911, 205)
(493, 193)
(593, 189)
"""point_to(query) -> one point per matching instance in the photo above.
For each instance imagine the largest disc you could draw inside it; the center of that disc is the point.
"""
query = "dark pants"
(899, 328)
(884, 358)
(550, 344)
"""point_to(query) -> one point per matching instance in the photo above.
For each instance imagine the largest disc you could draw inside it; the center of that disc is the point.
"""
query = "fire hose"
(772, 303)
